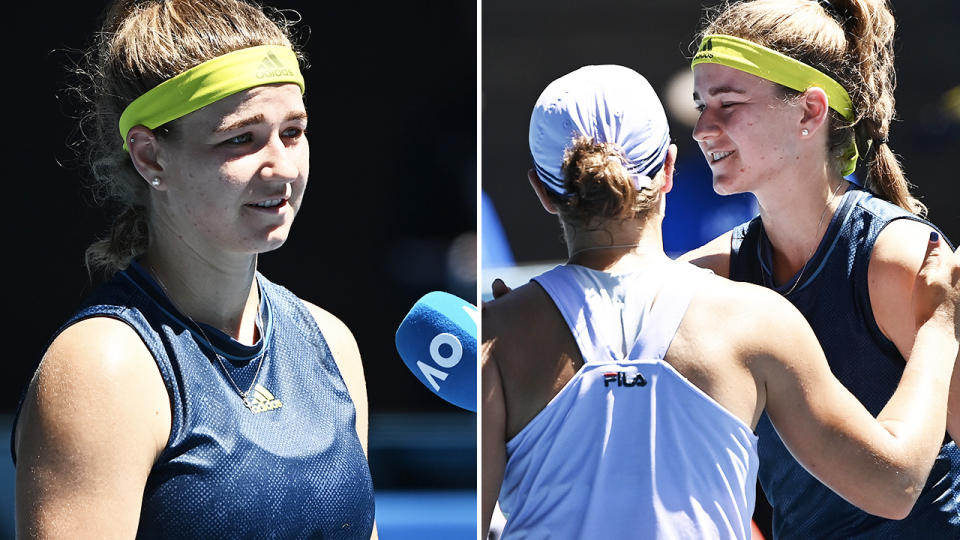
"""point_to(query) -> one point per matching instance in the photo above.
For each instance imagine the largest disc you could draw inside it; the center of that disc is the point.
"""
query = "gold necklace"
(248, 402)
(804, 267)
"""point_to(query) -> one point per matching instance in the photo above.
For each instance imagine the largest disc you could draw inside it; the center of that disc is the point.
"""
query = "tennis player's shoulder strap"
(667, 312)
(744, 251)
(588, 317)
(567, 293)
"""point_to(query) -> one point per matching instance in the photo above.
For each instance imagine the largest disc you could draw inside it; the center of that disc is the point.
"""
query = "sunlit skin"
(742, 114)
(214, 166)
(778, 152)
(244, 149)
(780, 155)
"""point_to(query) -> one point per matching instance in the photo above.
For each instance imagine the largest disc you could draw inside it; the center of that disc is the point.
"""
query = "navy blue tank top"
(291, 466)
(834, 298)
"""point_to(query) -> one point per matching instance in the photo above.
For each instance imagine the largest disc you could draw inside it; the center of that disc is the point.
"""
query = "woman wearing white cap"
(793, 93)
(191, 397)
(620, 390)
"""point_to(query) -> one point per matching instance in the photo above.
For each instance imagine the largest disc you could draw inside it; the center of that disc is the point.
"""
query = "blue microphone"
(438, 342)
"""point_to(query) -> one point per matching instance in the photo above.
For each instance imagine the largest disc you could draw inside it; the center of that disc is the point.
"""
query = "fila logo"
(262, 400)
(623, 379)
(272, 67)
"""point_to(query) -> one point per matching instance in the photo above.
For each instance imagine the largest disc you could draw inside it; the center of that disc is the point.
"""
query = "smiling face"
(234, 172)
(745, 130)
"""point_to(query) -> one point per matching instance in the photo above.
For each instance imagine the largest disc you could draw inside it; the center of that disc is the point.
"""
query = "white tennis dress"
(628, 448)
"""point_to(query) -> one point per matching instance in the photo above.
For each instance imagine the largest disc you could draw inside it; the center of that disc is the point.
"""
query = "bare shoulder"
(714, 255)
(346, 354)
(720, 294)
(900, 248)
(755, 329)
(343, 347)
(105, 361)
(729, 331)
(894, 262)
(514, 312)
(95, 418)
(105, 341)
(748, 315)
(522, 332)
(338, 336)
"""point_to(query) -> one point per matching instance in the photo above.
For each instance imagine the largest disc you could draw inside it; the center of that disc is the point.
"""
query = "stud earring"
(804, 132)
(155, 182)
(131, 140)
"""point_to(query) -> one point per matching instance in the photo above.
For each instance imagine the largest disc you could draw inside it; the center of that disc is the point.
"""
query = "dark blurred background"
(389, 215)
(526, 45)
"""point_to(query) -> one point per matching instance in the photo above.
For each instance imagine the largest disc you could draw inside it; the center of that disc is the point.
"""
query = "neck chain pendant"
(262, 399)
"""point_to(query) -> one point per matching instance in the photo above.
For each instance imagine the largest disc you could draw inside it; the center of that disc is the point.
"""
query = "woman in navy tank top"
(191, 397)
(620, 390)
(793, 94)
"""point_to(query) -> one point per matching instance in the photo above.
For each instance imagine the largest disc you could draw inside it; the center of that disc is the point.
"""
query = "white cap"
(611, 104)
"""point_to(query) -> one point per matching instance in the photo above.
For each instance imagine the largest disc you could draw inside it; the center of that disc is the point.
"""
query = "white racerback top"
(628, 448)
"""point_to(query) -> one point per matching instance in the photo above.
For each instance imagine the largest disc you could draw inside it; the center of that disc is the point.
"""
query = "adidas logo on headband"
(705, 50)
(272, 67)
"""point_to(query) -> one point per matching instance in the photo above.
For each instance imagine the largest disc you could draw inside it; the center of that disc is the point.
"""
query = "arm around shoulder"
(878, 464)
(94, 420)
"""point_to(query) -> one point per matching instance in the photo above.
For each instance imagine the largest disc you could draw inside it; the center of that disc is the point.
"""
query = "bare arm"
(493, 429)
(346, 354)
(95, 418)
(877, 464)
(894, 263)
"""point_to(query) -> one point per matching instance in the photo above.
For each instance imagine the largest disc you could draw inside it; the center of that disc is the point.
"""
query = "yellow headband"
(779, 68)
(211, 81)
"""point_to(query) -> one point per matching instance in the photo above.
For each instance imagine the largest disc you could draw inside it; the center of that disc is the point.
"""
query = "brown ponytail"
(128, 238)
(141, 44)
(851, 41)
(600, 186)
(870, 27)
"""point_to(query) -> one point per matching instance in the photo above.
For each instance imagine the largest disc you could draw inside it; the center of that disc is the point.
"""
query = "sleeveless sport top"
(628, 448)
(292, 469)
(834, 297)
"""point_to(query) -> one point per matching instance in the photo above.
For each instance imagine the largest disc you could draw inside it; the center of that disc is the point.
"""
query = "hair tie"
(881, 140)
